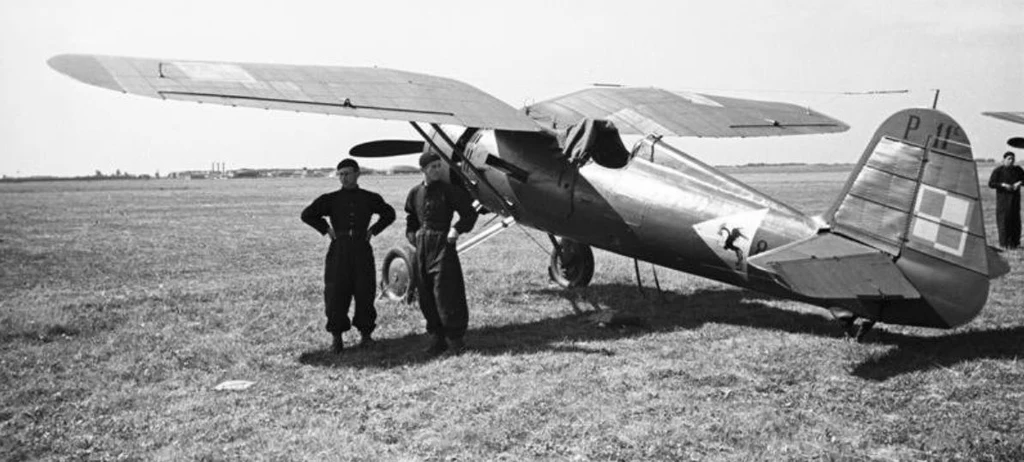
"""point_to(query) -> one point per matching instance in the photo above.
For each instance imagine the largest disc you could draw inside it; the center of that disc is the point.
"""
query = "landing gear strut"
(572, 263)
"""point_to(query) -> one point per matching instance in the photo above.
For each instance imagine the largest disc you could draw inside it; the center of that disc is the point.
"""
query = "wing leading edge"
(349, 91)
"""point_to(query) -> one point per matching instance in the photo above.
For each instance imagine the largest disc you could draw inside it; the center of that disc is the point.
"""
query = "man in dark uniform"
(1006, 179)
(349, 267)
(442, 291)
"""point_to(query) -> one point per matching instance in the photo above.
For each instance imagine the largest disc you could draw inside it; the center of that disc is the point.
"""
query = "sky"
(804, 52)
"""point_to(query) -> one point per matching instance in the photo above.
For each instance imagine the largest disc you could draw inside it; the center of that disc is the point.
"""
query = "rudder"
(915, 195)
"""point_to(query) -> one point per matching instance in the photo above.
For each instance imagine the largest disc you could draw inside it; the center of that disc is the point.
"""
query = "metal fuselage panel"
(664, 207)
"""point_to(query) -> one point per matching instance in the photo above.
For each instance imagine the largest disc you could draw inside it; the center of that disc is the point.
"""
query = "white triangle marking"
(730, 237)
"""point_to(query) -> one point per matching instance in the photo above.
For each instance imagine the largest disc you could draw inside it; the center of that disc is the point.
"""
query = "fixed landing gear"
(855, 326)
(397, 279)
(572, 263)
(571, 266)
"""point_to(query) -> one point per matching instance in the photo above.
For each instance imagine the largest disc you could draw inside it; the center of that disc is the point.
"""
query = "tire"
(572, 265)
(397, 278)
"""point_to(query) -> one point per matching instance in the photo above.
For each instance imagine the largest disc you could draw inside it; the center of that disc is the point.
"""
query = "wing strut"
(506, 205)
(486, 234)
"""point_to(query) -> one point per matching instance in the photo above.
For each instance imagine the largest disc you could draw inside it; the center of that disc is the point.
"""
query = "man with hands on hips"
(349, 270)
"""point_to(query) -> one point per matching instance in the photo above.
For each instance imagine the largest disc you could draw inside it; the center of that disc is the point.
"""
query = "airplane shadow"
(593, 320)
(914, 353)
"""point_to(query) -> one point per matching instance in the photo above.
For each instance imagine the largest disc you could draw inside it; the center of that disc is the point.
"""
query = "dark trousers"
(1008, 219)
(442, 291)
(349, 273)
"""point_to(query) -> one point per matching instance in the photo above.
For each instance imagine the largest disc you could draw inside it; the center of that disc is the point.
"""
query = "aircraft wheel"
(397, 278)
(572, 264)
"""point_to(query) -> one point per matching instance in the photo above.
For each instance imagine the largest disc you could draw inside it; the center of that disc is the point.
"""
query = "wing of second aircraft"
(1015, 117)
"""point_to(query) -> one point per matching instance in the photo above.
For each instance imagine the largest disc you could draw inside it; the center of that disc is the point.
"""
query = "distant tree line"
(118, 174)
(97, 175)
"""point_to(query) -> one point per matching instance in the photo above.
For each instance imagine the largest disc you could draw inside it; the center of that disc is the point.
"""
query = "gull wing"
(653, 111)
(351, 91)
(1015, 117)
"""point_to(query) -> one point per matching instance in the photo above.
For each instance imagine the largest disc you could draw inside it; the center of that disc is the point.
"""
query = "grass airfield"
(124, 303)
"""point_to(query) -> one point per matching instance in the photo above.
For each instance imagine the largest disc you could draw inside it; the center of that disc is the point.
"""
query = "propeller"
(1016, 142)
(386, 148)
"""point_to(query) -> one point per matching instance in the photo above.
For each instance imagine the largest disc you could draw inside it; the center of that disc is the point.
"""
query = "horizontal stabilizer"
(653, 111)
(370, 92)
(828, 266)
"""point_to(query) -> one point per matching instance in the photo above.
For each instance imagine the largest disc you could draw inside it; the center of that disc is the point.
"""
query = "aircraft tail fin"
(914, 195)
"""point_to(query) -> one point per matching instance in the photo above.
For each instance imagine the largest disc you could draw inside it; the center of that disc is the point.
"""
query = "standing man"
(442, 291)
(1006, 179)
(349, 267)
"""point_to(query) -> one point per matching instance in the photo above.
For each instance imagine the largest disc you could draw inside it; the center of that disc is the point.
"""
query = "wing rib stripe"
(781, 125)
(346, 104)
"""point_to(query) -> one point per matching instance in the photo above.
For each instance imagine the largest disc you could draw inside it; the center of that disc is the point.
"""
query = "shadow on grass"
(590, 322)
(679, 311)
(924, 353)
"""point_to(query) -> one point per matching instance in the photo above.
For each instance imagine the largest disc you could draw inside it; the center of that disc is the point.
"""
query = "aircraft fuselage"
(663, 207)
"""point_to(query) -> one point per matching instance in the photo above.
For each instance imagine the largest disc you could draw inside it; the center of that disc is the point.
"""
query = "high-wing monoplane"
(903, 243)
(1015, 117)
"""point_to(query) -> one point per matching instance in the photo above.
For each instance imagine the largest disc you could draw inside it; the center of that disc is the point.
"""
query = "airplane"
(1014, 117)
(904, 242)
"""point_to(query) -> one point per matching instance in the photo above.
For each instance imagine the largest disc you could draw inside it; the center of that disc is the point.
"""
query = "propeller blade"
(386, 148)
(1016, 142)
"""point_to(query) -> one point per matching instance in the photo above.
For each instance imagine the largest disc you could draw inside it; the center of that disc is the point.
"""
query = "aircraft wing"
(653, 111)
(350, 91)
(1015, 117)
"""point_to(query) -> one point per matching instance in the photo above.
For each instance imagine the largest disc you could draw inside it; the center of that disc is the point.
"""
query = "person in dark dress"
(349, 270)
(442, 290)
(1006, 179)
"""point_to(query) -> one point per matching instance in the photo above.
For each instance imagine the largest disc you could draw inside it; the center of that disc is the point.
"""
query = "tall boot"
(367, 339)
(338, 345)
(437, 346)
(456, 346)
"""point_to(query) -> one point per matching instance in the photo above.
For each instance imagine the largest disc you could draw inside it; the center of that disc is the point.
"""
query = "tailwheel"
(397, 278)
(572, 263)
(863, 327)
(854, 326)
